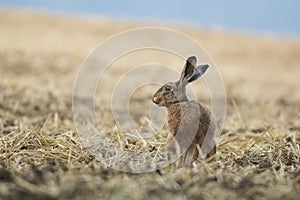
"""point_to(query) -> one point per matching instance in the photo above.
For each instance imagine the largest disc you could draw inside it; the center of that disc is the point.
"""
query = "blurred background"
(275, 17)
(269, 16)
(254, 44)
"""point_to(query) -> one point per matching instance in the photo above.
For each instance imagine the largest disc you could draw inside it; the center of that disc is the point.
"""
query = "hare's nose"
(156, 100)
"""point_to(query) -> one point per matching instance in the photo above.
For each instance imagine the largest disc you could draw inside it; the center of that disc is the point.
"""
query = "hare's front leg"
(187, 158)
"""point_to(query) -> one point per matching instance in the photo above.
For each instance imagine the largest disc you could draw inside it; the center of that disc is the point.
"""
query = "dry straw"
(41, 156)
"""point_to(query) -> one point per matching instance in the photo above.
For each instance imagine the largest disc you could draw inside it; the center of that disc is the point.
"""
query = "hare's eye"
(168, 88)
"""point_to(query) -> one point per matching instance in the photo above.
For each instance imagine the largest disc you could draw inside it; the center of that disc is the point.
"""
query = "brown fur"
(191, 111)
(189, 122)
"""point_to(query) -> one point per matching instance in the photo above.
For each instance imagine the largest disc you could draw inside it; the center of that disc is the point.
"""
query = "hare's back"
(194, 108)
(196, 113)
(187, 116)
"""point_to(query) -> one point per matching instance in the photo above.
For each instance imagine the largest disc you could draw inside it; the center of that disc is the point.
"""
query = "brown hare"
(189, 122)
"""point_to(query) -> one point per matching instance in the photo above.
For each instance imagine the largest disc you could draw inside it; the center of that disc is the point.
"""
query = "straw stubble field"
(40, 154)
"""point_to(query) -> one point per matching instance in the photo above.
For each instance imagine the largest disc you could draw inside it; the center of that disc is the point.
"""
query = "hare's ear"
(189, 68)
(199, 71)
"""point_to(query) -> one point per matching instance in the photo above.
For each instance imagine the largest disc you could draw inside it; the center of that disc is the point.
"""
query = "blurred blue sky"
(257, 16)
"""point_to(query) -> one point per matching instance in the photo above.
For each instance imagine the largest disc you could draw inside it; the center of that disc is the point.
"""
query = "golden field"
(258, 155)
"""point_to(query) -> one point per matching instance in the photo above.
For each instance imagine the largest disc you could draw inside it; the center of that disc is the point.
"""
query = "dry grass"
(41, 156)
